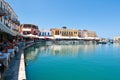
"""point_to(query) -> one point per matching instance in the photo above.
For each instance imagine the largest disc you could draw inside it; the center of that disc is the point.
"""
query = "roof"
(33, 25)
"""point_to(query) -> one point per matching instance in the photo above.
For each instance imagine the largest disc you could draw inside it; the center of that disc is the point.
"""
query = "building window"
(60, 32)
(56, 32)
(48, 34)
(45, 33)
(42, 33)
(75, 32)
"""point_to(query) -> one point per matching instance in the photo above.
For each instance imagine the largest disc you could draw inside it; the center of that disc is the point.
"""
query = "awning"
(31, 36)
(4, 28)
(41, 37)
(36, 36)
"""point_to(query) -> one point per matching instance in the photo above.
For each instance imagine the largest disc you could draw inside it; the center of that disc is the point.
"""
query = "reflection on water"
(116, 44)
(73, 62)
(32, 52)
(57, 50)
(72, 50)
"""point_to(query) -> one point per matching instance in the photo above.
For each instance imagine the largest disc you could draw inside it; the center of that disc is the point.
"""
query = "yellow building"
(64, 32)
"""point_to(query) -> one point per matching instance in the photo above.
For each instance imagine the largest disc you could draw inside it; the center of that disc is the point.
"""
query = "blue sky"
(102, 16)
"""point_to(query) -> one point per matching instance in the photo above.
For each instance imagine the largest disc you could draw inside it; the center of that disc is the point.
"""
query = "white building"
(45, 33)
(116, 39)
(8, 19)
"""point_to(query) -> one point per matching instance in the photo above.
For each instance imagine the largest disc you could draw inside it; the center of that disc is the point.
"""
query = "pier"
(21, 73)
(16, 69)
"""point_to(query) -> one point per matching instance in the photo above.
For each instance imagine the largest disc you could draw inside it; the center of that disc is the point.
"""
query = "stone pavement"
(12, 71)
(16, 69)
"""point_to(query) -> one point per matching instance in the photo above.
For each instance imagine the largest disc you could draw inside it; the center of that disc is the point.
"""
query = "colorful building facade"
(86, 33)
(27, 29)
(116, 39)
(45, 32)
(64, 32)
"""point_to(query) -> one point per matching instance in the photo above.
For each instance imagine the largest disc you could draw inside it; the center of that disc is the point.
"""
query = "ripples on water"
(73, 62)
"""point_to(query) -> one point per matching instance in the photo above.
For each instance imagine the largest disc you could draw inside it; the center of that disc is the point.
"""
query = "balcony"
(2, 12)
(18, 22)
(5, 17)
(15, 21)
(9, 16)
(14, 28)
(5, 28)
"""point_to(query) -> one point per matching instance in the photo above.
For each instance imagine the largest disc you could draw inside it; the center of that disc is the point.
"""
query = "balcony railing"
(8, 26)
(15, 21)
(5, 13)
(9, 15)
(14, 29)
(2, 12)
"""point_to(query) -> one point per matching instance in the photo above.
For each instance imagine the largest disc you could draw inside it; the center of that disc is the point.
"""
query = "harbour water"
(73, 62)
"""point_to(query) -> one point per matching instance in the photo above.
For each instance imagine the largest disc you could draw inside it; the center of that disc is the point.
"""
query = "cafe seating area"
(7, 52)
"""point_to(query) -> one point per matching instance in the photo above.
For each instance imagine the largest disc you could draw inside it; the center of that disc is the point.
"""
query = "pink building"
(86, 33)
(27, 29)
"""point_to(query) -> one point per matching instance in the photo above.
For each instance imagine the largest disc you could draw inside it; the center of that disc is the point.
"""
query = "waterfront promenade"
(15, 67)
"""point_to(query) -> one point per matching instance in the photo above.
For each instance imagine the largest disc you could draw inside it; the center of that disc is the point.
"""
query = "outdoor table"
(16, 49)
(12, 52)
(4, 58)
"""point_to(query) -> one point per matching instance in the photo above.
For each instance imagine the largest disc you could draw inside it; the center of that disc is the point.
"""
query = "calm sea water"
(73, 62)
